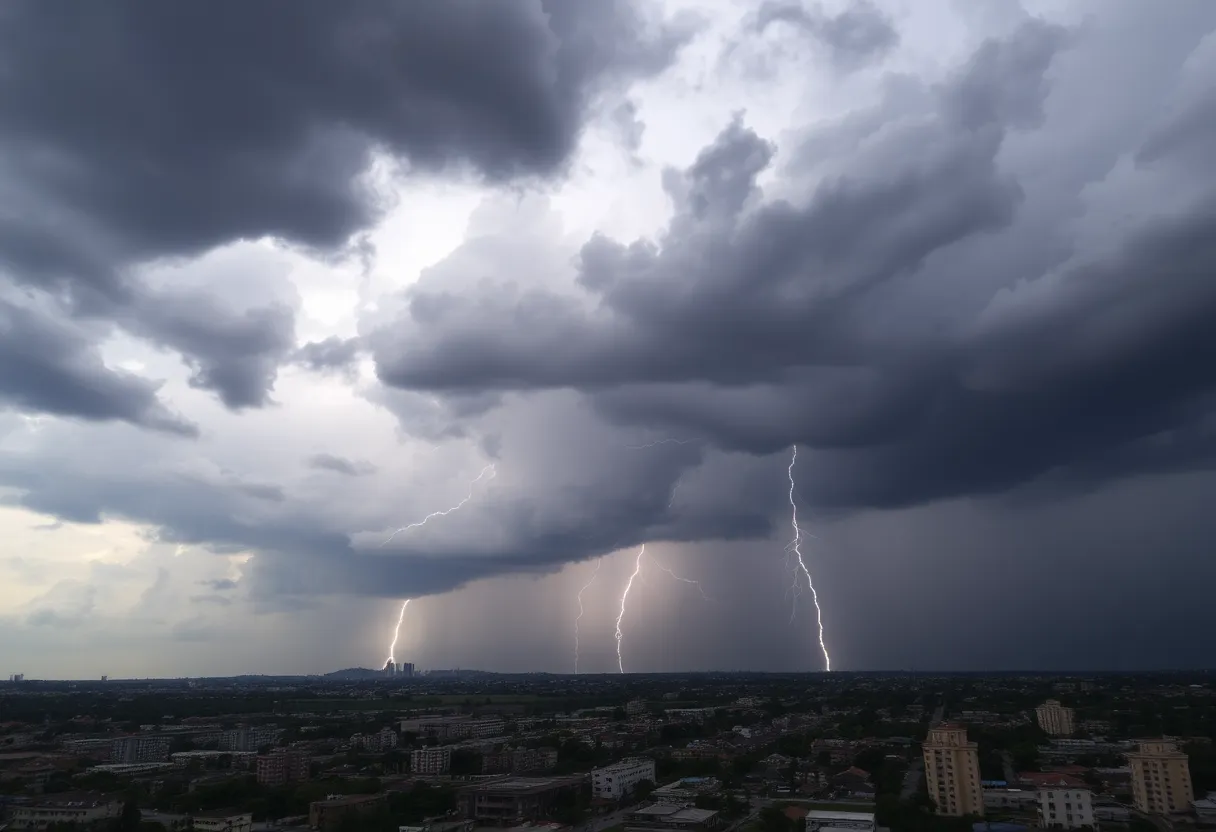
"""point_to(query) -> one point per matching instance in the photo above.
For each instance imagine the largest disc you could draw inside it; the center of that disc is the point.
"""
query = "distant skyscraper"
(952, 771)
(1161, 778)
(390, 669)
(406, 669)
(1055, 719)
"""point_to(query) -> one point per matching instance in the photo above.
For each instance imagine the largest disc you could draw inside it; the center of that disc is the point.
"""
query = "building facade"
(952, 771)
(140, 749)
(283, 765)
(619, 779)
(1161, 778)
(1061, 808)
(248, 739)
(436, 760)
(1056, 719)
(66, 808)
(222, 822)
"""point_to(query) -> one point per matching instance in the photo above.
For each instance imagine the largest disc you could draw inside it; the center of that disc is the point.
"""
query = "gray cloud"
(220, 584)
(332, 353)
(132, 133)
(341, 465)
(853, 38)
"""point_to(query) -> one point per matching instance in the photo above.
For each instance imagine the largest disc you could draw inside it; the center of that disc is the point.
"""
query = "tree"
(773, 819)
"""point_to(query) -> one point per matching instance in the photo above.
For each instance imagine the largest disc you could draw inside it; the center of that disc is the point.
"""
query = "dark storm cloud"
(341, 465)
(131, 131)
(759, 324)
(47, 365)
(853, 38)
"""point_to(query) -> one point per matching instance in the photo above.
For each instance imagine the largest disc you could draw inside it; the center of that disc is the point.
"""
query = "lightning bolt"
(472, 487)
(590, 581)
(682, 579)
(795, 547)
(620, 636)
(392, 648)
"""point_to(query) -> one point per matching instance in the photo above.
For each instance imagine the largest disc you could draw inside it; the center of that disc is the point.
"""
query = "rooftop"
(820, 814)
(526, 785)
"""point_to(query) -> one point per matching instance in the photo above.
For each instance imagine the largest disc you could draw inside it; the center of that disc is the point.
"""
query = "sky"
(279, 280)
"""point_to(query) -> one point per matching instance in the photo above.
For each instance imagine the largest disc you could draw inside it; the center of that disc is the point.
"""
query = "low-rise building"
(283, 765)
(1205, 809)
(1010, 800)
(433, 760)
(78, 808)
(818, 820)
(514, 800)
(327, 815)
(1065, 808)
(619, 779)
(666, 816)
(222, 821)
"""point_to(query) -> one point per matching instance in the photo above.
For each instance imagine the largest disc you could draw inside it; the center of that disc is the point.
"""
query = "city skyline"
(532, 332)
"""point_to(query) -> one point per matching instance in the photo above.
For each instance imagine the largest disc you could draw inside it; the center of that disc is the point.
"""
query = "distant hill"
(355, 673)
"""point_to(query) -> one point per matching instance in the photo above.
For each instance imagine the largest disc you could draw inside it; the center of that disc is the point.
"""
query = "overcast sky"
(279, 279)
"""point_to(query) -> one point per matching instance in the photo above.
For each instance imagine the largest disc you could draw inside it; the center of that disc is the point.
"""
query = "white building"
(1055, 719)
(436, 760)
(222, 822)
(635, 707)
(78, 809)
(1064, 808)
(619, 779)
(817, 821)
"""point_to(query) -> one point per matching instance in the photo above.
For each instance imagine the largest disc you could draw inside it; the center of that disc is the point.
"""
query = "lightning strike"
(795, 548)
(620, 636)
(682, 579)
(392, 648)
(599, 562)
(472, 487)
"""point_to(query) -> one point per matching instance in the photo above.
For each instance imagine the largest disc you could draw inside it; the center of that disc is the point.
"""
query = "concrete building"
(1061, 808)
(1010, 800)
(1055, 719)
(248, 739)
(514, 800)
(1161, 778)
(435, 760)
(635, 707)
(667, 816)
(1205, 810)
(283, 765)
(140, 749)
(222, 821)
(80, 809)
(829, 821)
(952, 771)
(619, 779)
(327, 815)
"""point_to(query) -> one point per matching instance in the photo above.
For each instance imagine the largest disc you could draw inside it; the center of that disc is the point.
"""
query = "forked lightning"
(590, 581)
(472, 487)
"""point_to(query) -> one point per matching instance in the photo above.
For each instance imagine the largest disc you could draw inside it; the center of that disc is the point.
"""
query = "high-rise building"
(283, 765)
(406, 669)
(390, 669)
(1055, 719)
(1161, 778)
(952, 771)
(434, 760)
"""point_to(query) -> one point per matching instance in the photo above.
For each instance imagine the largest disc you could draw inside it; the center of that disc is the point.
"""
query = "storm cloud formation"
(973, 281)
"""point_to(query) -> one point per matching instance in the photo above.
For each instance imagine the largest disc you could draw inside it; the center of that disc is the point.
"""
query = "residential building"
(514, 800)
(952, 771)
(1010, 800)
(686, 791)
(222, 821)
(1161, 778)
(283, 765)
(248, 739)
(1205, 810)
(619, 779)
(140, 749)
(1065, 808)
(666, 816)
(327, 815)
(635, 707)
(1056, 719)
(77, 808)
(434, 760)
(830, 820)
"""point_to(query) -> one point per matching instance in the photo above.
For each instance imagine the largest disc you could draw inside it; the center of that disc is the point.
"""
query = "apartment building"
(140, 749)
(952, 771)
(248, 739)
(77, 809)
(283, 765)
(1063, 808)
(1161, 778)
(222, 821)
(1056, 719)
(619, 779)
(436, 760)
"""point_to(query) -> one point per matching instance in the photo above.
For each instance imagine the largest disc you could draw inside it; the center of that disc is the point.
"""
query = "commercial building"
(327, 815)
(514, 800)
(1055, 719)
(829, 821)
(619, 779)
(666, 816)
(283, 765)
(79, 809)
(140, 749)
(1161, 778)
(222, 821)
(435, 760)
(952, 771)
(1065, 808)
